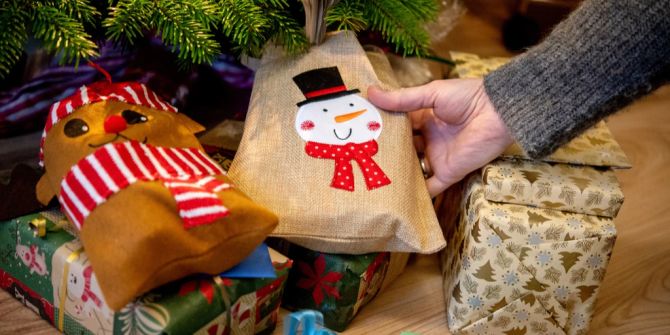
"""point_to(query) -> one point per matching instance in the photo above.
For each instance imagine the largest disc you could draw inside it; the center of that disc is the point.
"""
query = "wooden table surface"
(635, 296)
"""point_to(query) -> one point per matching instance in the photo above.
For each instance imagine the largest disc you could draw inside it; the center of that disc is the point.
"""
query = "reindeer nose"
(115, 124)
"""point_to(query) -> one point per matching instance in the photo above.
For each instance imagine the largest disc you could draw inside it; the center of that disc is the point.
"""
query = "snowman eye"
(325, 110)
(351, 104)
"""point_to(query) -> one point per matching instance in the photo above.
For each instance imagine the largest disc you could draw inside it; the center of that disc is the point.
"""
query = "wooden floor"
(635, 296)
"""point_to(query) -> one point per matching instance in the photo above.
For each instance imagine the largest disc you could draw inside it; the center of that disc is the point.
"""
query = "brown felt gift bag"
(150, 207)
(341, 174)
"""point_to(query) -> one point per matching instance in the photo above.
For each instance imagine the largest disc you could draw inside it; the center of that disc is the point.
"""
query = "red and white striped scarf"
(186, 172)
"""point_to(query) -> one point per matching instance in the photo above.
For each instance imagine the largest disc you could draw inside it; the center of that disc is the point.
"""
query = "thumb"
(403, 100)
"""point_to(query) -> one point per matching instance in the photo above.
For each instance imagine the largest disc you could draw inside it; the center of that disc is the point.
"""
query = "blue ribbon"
(311, 321)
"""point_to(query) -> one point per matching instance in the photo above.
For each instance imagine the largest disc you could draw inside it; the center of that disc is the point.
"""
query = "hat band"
(325, 91)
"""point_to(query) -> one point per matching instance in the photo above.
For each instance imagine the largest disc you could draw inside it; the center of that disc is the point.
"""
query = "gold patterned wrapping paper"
(511, 269)
(570, 188)
(472, 66)
(595, 147)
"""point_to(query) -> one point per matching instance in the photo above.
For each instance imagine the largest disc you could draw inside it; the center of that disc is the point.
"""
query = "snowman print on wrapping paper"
(341, 125)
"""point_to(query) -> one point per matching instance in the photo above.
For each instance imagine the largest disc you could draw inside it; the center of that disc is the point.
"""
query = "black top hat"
(321, 84)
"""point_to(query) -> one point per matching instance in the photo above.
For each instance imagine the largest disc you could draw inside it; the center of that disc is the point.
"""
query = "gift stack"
(530, 247)
(45, 267)
(337, 285)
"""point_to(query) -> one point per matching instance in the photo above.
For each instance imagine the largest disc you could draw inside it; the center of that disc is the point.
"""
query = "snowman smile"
(342, 138)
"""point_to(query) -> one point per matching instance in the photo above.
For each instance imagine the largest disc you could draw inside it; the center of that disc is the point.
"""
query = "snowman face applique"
(338, 124)
(341, 120)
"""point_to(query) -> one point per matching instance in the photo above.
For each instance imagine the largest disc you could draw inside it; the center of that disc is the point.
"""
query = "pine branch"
(13, 35)
(348, 15)
(128, 19)
(183, 32)
(79, 10)
(287, 32)
(62, 34)
(204, 11)
(398, 25)
(422, 10)
(244, 23)
(250, 24)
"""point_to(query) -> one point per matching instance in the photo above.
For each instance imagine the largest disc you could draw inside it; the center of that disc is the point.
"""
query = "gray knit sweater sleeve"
(599, 59)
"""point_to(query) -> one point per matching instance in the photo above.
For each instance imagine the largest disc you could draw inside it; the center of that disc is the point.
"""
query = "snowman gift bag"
(341, 174)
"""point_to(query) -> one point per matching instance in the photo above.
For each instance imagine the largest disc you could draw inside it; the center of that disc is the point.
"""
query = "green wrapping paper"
(51, 275)
(338, 285)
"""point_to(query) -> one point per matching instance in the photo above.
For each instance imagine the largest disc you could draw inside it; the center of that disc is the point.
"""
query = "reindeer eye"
(75, 128)
(351, 104)
(325, 110)
(133, 117)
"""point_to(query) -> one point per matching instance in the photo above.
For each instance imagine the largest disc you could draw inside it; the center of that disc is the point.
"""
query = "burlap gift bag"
(342, 175)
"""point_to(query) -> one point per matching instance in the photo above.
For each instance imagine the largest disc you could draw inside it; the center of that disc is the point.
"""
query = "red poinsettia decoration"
(314, 278)
(370, 271)
(204, 286)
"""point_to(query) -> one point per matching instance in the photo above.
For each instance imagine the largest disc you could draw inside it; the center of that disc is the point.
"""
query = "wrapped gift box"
(577, 189)
(594, 147)
(531, 241)
(52, 276)
(472, 66)
(517, 269)
(337, 285)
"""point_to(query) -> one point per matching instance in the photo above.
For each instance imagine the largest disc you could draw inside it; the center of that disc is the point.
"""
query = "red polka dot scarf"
(343, 177)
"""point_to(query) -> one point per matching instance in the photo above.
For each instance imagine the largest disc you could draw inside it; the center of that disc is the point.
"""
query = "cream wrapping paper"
(570, 188)
(520, 270)
(596, 146)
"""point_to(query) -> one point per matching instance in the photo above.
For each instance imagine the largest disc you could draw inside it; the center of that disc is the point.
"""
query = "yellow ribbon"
(63, 286)
(39, 227)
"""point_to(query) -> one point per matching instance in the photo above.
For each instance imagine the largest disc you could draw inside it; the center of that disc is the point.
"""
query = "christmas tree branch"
(79, 10)
(13, 35)
(286, 31)
(398, 25)
(188, 26)
(244, 23)
(62, 34)
(180, 29)
(128, 19)
(347, 15)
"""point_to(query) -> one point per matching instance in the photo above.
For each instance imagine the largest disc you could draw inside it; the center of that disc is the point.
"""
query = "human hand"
(461, 129)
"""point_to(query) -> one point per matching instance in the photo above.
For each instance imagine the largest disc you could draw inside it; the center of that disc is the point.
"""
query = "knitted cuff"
(593, 63)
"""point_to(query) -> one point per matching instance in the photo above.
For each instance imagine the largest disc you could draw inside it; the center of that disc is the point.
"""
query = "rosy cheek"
(374, 125)
(307, 125)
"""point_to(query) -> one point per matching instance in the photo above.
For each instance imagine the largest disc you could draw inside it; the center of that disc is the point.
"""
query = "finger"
(403, 100)
(436, 186)
(418, 117)
(419, 143)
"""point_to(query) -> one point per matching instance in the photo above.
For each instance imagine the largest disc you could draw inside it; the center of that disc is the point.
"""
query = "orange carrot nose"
(349, 116)
(115, 124)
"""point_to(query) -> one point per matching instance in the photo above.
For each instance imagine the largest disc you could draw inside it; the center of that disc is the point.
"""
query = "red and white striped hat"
(130, 92)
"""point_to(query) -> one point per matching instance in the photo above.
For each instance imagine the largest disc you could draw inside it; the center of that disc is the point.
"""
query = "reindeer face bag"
(150, 206)
(341, 174)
